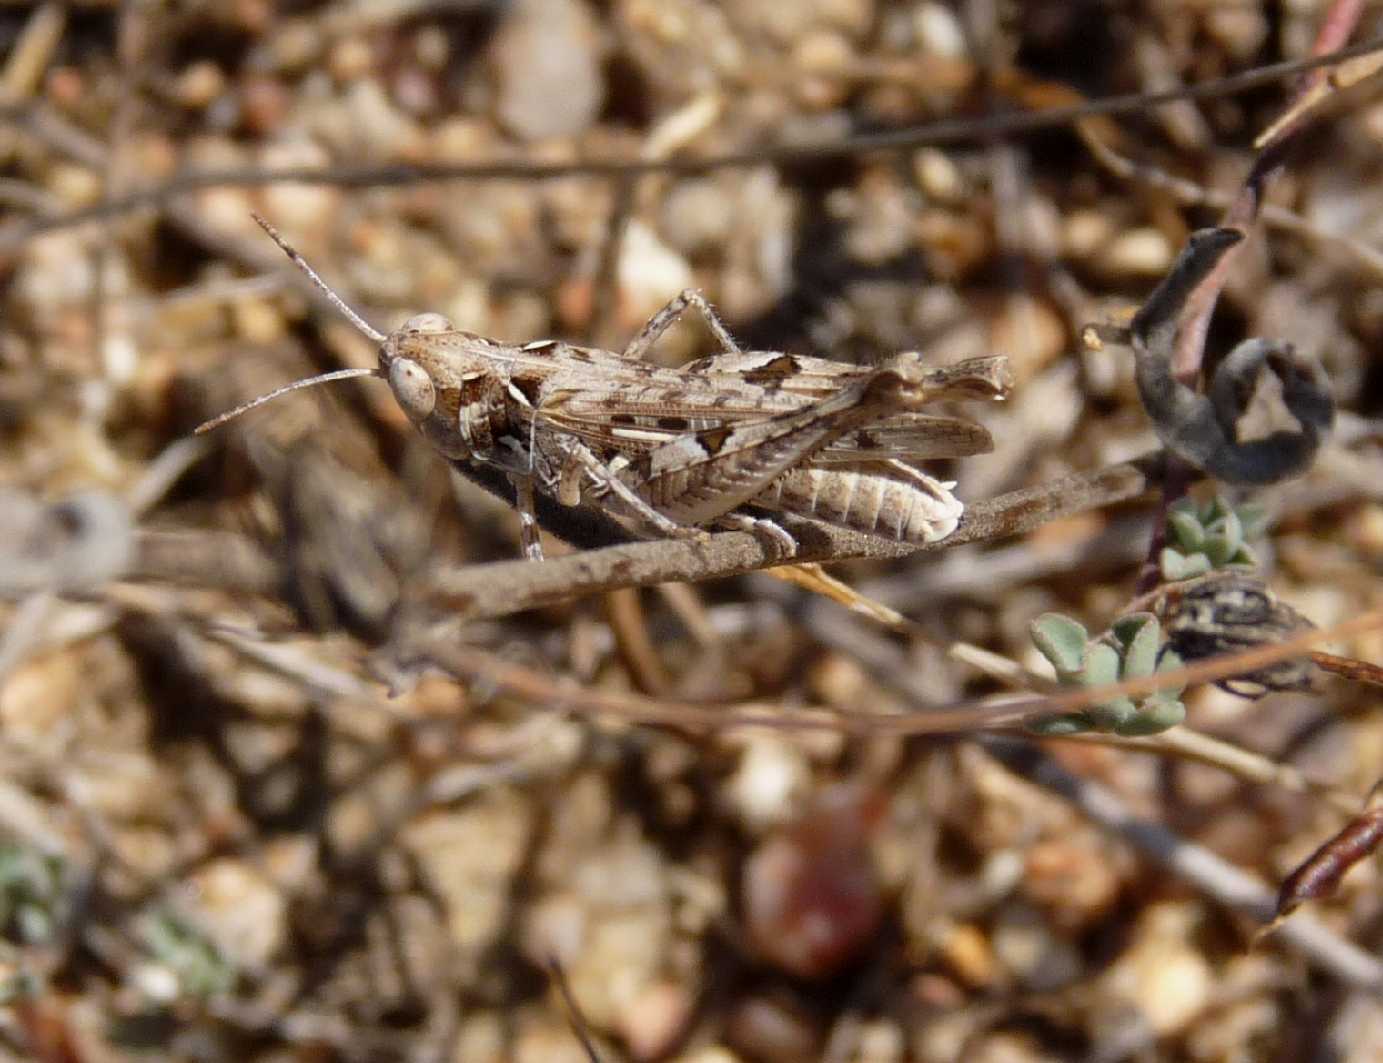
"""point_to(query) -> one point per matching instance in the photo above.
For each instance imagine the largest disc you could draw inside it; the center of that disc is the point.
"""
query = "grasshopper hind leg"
(777, 539)
(668, 316)
(578, 462)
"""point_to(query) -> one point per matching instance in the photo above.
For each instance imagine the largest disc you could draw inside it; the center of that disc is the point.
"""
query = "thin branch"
(1006, 711)
(507, 587)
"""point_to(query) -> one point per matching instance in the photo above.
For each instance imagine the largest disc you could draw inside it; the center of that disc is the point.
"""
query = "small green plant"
(1131, 649)
(1202, 538)
(194, 960)
(31, 894)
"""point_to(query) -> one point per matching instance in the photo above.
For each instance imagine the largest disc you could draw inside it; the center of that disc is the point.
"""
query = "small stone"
(622, 958)
(555, 928)
(1160, 974)
(1138, 253)
(938, 176)
(822, 61)
(258, 321)
(242, 912)
(656, 1019)
(155, 982)
(767, 787)
(469, 856)
(966, 950)
(1031, 332)
(199, 84)
(480, 1038)
(77, 186)
(350, 58)
(548, 1044)
(1024, 942)
(376, 124)
(264, 104)
(1086, 233)
(764, 1027)
(1239, 29)
(939, 31)
(546, 58)
(880, 1041)
(299, 208)
(432, 48)
(650, 273)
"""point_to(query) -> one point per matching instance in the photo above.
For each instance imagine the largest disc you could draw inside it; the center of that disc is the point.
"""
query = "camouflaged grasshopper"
(673, 451)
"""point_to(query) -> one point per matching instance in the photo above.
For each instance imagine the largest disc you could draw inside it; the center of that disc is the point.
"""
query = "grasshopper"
(718, 442)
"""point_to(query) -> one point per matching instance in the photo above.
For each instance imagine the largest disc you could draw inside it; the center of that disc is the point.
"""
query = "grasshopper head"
(442, 381)
(409, 378)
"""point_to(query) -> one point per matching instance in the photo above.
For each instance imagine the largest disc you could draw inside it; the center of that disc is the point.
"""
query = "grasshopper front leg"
(528, 516)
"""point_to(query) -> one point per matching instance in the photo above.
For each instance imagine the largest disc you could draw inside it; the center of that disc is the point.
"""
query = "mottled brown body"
(674, 451)
(692, 446)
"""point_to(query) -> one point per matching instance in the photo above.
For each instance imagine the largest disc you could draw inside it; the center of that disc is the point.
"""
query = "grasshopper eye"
(428, 323)
(412, 387)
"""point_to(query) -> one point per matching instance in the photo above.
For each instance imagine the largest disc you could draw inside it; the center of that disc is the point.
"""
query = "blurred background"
(241, 820)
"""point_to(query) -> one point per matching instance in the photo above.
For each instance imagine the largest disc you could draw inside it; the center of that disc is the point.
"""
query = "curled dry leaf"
(1320, 874)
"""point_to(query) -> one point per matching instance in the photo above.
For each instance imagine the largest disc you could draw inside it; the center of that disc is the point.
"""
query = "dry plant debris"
(300, 763)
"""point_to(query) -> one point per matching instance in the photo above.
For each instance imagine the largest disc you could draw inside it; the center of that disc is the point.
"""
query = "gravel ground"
(273, 787)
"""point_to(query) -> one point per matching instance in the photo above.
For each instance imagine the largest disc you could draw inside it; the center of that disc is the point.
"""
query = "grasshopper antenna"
(339, 374)
(336, 301)
(326, 289)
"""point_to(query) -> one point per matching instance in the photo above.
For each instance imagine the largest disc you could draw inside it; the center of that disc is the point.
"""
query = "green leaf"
(1186, 529)
(1231, 531)
(1067, 723)
(1155, 715)
(1177, 566)
(1101, 666)
(1140, 650)
(1061, 640)
(1213, 510)
(1245, 558)
(1219, 550)
(1125, 628)
(1113, 715)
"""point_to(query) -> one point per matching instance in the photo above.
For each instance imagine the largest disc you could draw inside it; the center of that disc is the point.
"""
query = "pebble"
(350, 58)
(546, 60)
(242, 912)
(1025, 943)
(939, 31)
(822, 61)
(649, 274)
(470, 855)
(966, 950)
(770, 1027)
(1031, 332)
(622, 958)
(938, 176)
(656, 1019)
(1160, 973)
(199, 84)
(769, 783)
(1137, 253)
